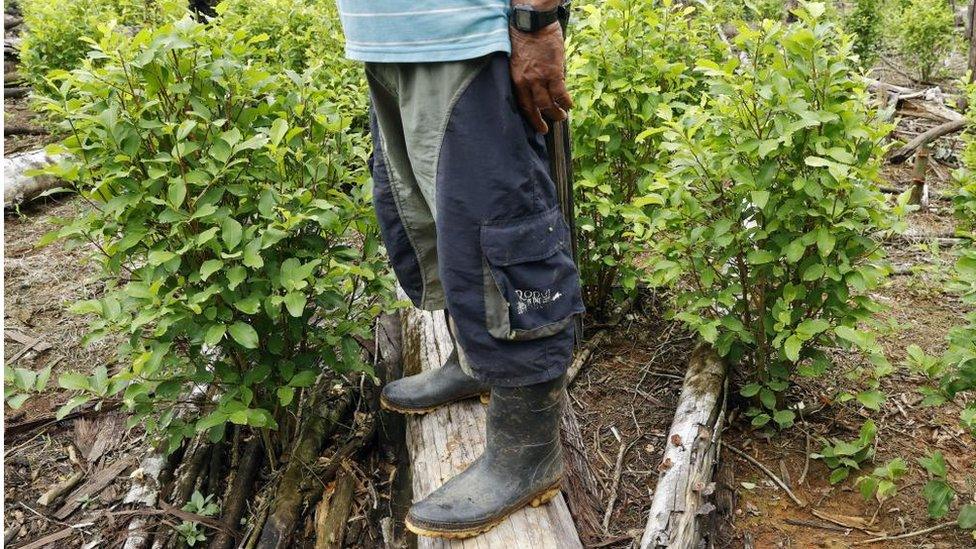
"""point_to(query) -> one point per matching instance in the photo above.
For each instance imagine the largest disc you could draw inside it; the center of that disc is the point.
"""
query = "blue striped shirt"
(408, 31)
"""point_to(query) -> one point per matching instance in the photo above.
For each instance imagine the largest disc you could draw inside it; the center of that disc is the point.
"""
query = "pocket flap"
(512, 241)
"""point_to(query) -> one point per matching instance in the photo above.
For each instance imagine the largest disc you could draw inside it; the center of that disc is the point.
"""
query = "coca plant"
(230, 211)
(625, 65)
(771, 215)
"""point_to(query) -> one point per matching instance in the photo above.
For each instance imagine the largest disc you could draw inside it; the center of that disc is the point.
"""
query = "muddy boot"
(522, 465)
(426, 391)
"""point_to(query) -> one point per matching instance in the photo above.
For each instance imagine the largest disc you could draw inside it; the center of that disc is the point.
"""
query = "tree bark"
(17, 185)
(239, 493)
(681, 498)
(323, 415)
(925, 138)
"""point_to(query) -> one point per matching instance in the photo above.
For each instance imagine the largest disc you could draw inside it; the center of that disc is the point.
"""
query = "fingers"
(543, 101)
(526, 102)
(558, 92)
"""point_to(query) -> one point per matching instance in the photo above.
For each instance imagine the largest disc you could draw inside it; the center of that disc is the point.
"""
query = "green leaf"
(16, 401)
(69, 406)
(252, 254)
(231, 232)
(236, 275)
(750, 390)
(794, 250)
(935, 464)
(825, 241)
(209, 267)
(838, 475)
(760, 198)
(760, 257)
(244, 334)
(73, 381)
(871, 399)
(286, 395)
(792, 348)
(305, 378)
(278, 130)
(768, 398)
(939, 495)
(295, 303)
(214, 334)
(176, 192)
(784, 418)
(967, 517)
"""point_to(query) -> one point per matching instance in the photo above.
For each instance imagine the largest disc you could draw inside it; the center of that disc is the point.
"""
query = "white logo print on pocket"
(534, 299)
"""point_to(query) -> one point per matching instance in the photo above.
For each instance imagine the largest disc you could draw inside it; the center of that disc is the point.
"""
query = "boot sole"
(536, 500)
(387, 405)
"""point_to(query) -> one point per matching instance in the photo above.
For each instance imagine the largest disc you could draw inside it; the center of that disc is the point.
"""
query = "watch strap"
(528, 19)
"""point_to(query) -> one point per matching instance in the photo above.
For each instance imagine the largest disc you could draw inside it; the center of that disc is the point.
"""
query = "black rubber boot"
(522, 465)
(426, 391)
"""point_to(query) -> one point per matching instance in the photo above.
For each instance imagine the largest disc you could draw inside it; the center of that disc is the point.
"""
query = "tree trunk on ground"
(323, 415)
(685, 485)
(17, 185)
(925, 138)
(333, 512)
(239, 492)
(445, 441)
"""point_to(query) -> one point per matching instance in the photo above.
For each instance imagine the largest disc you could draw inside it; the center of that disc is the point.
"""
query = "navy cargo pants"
(469, 215)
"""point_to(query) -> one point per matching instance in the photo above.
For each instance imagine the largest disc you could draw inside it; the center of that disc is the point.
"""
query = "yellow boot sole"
(534, 501)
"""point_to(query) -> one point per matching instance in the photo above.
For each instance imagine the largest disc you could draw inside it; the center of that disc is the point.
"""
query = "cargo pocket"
(531, 285)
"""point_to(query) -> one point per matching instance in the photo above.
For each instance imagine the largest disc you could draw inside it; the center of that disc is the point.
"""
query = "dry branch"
(59, 489)
(90, 488)
(903, 153)
(690, 456)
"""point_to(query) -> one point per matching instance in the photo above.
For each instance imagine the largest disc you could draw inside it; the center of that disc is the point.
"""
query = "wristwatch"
(528, 19)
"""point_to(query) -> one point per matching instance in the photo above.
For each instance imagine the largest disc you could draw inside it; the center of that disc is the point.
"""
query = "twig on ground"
(806, 463)
(906, 535)
(822, 526)
(617, 472)
(779, 482)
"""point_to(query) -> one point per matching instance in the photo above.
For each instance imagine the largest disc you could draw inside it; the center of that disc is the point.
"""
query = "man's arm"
(537, 65)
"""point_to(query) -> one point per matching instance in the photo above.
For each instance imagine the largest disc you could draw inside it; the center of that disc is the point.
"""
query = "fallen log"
(238, 493)
(324, 414)
(442, 443)
(681, 498)
(903, 153)
(144, 491)
(17, 185)
(14, 93)
(333, 512)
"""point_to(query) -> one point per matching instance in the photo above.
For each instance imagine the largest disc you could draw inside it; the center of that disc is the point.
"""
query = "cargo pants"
(469, 215)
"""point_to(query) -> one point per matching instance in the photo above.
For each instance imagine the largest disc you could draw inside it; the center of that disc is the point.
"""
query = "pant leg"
(506, 264)
(457, 150)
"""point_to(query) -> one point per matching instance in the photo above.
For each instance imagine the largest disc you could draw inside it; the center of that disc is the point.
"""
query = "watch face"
(523, 20)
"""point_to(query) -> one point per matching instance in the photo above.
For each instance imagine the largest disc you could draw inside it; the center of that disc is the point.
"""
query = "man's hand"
(537, 71)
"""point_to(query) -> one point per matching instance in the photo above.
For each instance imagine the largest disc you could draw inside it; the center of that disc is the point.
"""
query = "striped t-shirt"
(408, 31)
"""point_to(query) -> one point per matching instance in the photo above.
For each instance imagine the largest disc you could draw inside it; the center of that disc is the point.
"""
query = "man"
(461, 90)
